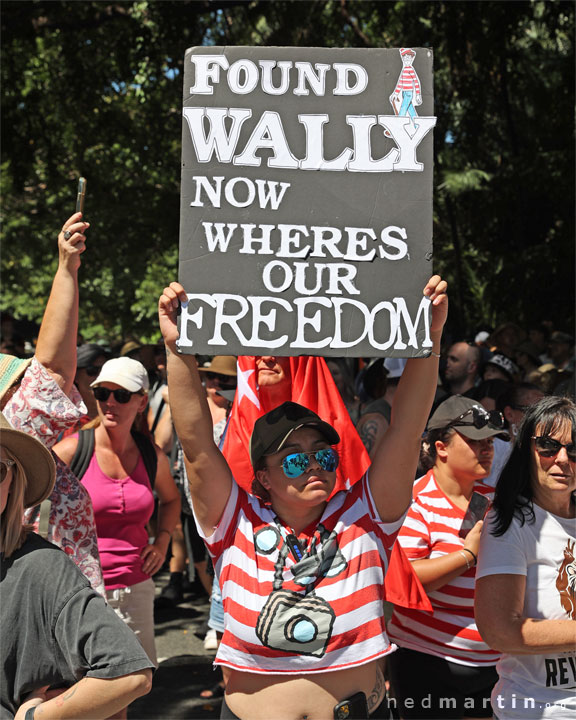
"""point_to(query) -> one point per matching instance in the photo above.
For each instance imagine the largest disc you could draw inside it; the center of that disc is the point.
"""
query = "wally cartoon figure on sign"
(407, 92)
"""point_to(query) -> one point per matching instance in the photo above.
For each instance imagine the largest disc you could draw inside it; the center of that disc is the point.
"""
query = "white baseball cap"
(124, 371)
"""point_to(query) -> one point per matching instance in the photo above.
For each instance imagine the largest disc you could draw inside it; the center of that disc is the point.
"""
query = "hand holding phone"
(477, 508)
(81, 195)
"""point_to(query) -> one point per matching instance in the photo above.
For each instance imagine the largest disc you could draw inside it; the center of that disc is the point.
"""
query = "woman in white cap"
(441, 654)
(120, 470)
(301, 572)
(55, 629)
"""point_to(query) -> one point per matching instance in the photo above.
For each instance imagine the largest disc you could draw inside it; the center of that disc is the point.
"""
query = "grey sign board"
(306, 201)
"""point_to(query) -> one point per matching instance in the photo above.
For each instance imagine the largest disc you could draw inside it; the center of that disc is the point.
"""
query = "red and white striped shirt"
(271, 624)
(408, 80)
(430, 531)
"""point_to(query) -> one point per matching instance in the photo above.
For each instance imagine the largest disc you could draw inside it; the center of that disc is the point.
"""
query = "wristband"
(468, 565)
(30, 713)
(435, 354)
(473, 555)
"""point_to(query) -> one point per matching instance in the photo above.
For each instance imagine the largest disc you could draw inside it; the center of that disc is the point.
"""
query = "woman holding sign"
(301, 574)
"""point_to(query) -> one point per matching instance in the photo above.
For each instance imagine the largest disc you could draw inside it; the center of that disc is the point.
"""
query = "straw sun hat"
(11, 371)
(36, 460)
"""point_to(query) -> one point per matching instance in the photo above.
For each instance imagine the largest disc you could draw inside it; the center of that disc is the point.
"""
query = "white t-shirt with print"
(535, 686)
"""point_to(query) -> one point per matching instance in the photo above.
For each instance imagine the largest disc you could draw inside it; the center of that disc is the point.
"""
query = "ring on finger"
(67, 235)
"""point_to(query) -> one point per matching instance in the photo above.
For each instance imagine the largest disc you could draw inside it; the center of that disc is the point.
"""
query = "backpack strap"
(84, 452)
(148, 451)
(158, 415)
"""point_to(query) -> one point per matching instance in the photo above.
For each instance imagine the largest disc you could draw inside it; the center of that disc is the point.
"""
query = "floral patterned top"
(41, 409)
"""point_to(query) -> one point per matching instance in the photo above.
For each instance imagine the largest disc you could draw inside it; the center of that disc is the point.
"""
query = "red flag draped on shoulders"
(309, 383)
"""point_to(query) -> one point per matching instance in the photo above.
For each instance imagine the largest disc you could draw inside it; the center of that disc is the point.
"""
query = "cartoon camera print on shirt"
(299, 623)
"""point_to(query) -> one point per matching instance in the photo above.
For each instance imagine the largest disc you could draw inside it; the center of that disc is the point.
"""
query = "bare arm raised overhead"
(394, 464)
(56, 346)
(208, 472)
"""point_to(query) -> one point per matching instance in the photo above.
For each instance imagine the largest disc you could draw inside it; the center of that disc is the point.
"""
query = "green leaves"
(95, 89)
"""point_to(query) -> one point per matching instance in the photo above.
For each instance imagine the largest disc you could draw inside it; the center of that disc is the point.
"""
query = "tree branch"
(353, 24)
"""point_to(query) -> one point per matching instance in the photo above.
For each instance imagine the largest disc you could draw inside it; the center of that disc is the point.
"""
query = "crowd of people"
(330, 521)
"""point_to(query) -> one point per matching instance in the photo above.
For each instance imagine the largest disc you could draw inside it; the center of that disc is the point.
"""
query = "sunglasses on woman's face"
(121, 395)
(222, 379)
(548, 447)
(296, 464)
(92, 370)
(480, 418)
(5, 465)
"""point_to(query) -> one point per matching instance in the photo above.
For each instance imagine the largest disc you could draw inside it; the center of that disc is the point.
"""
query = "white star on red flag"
(245, 389)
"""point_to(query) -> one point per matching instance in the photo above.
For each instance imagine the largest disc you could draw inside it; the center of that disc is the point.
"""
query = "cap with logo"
(505, 364)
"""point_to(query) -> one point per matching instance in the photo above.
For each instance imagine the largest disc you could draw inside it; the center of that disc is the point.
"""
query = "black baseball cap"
(273, 429)
(469, 418)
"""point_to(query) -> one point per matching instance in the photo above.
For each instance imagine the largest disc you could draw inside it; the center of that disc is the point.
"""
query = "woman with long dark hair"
(526, 587)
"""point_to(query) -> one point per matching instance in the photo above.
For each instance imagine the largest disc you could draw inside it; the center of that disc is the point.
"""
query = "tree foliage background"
(95, 89)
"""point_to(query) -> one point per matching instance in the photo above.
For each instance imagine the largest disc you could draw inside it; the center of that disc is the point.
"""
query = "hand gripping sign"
(306, 201)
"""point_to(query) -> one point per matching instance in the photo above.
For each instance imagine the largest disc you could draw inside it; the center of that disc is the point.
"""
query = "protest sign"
(306, 201)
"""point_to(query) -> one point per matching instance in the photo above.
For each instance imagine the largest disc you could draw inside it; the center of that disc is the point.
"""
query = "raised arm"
(56, 346)
(394, 465)
(209, 476)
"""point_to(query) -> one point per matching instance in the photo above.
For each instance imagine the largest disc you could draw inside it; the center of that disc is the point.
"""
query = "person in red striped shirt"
(443, 668)
(301, 572)
(407, 92)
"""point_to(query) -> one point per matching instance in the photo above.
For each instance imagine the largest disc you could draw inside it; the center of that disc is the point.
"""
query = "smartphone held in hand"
(477, 509)
(81, 195)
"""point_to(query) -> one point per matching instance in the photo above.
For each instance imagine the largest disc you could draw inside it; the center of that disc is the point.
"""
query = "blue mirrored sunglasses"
(296, 464)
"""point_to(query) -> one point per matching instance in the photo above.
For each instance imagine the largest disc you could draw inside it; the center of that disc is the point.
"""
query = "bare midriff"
(254, 696)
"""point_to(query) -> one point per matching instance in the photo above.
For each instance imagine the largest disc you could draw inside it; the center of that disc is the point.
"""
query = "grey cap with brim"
(272, 430)
(455, 406)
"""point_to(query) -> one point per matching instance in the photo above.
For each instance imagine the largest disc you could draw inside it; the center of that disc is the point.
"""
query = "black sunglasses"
(548, 447)
(5, 465)
(121, 395)
(224, 379)
(480, 418)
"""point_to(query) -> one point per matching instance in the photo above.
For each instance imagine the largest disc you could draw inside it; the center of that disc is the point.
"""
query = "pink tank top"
(122, 507)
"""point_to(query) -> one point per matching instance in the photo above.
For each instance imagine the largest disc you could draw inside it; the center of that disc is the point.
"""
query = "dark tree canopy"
(95, 88)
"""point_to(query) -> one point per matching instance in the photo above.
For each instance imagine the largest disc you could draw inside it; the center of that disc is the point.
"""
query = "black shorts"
(426, 686)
